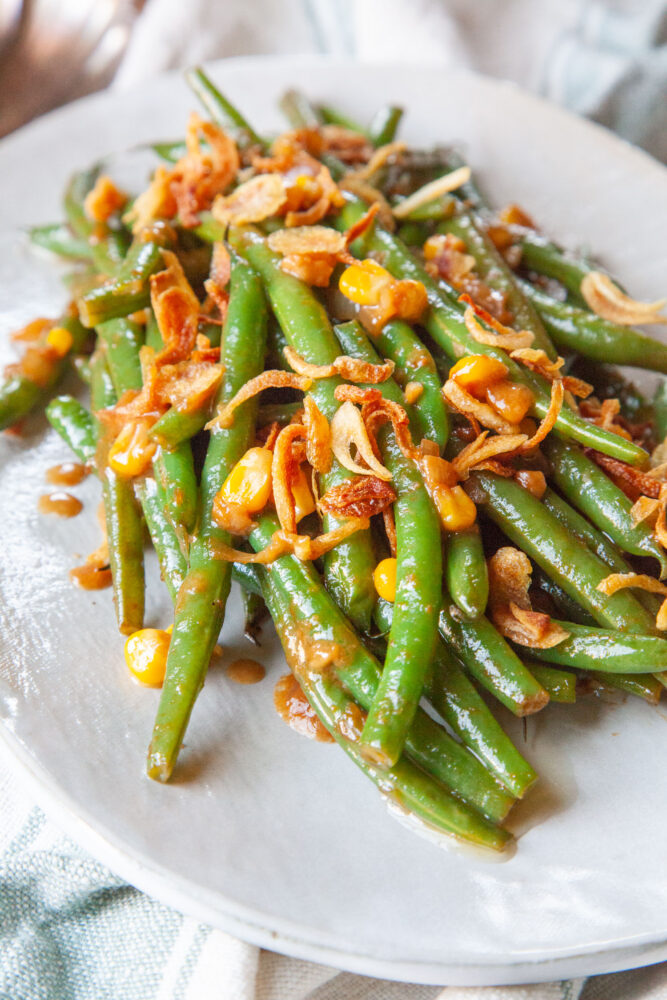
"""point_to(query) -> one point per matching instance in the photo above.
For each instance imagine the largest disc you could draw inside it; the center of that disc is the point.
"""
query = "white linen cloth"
(71, 930)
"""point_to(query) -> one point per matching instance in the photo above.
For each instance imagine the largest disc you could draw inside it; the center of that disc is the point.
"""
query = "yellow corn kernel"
(146, 655)
(363, 282)
(384, 578)
(477, 372)
(433, 246)
(60, 339)
(248, 485)
(132, 451)
(456, 509)
(304, 501)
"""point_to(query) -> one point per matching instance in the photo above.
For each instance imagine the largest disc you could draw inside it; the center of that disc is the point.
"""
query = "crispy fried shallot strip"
(272, 379)
(306, 548)
(284, 469)
(509, 581)
(362, 497)
(500, 335)
(390, 529)
(318, 436)
(432, 190)
(619, 581)
(306, 239)
(481, 449)
(632, 481)
(644, 509)
(351, 369)
(608, 301)
(379, 158)
(348, 429)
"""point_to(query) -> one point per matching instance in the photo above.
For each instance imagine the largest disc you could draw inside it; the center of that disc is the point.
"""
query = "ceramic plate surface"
(270, 837)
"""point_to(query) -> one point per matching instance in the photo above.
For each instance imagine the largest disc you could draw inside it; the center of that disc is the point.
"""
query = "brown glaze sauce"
(60, 503)
(91, 577)
(66, 474)
(246, 671)
(293, 708)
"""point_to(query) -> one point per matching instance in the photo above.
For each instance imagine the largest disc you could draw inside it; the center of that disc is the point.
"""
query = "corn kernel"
(511, 400)
(434, 245)
(60, 339)
(248, 485)
(132, 451)
(477, 372)
(363, 283)
(456, 509)
(146, 655)
(384, 578)
(303, 496)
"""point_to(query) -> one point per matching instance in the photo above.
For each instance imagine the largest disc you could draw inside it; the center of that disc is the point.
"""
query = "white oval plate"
(274, 839)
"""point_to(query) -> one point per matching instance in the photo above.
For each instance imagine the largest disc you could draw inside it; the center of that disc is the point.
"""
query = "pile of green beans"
(408, 687)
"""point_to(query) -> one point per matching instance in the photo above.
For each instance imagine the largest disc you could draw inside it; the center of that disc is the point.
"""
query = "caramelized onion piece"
(272, 379)
(509, 582)
(348, 429)
(435, 189)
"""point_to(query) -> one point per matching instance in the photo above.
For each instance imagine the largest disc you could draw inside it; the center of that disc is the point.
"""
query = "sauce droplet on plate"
(67, 473)
(60, 503)
(293, 708)
(91, 577)
(246, 671)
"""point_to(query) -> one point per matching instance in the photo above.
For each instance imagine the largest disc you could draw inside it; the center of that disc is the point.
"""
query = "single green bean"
(607, 650)
(123, 519)
(201, 601)
(541, 255)
(129, 291)
(221, 110)
(561, 685)
(579, 527)
(640, 685)
(58, 238)
(334, 116)
(466, 576)
(660, 410)
(492, 662)
(75, 425)
(298, 110)
(384, 126)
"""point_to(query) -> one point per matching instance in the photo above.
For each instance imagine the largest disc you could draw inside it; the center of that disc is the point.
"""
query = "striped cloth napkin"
(69, 928)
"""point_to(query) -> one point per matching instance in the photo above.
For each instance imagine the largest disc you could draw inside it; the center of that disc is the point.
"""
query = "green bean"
(398, 342)
(172, 151)
(458, 702)
(564, 606)
(321, 631)
(298, 110)
(405, 784)
(129, 291)
(607, 650)
(492, 268)
(283, 413)
(384, 126)
(582, 529)
(58, 238)
(492, 662)
(201, 601)
(19, 394)
(531, 527)
(177, 486)
(444, 322)
(349, 566)
(574, 329)
(78, 186)
(173, 565)
(418, 584)
(122, 339)
(221, 110)
(660, 410)
(334, 116)
(587, 487)
(174, 427)
(541, 255)
(123, 520)
(561, 685)
(466, 577)
(641, 686)
(75, 425)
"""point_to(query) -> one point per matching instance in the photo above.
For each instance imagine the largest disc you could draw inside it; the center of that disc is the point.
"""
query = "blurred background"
(606, 59)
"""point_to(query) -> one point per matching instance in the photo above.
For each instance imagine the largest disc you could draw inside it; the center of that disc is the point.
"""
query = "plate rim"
(171, 889)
